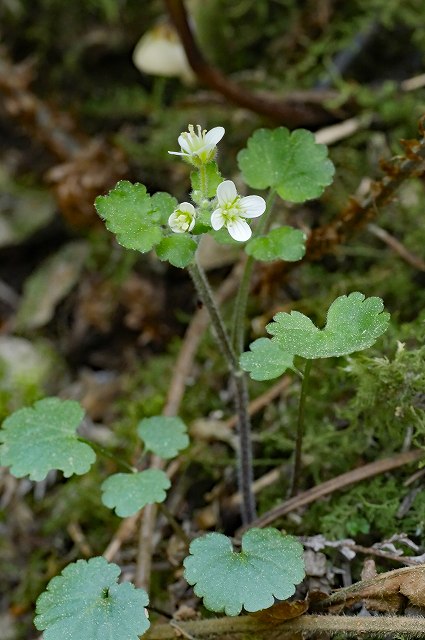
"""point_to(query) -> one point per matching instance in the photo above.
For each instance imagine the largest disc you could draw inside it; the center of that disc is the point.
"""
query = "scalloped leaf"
(354, 323)
(85, 602)
(178, 249)
(133, 216)
(127, 493)
(266, 360)
(163, 435)
(285, 243)
(291, 163)
(37, 439)
(269, 566)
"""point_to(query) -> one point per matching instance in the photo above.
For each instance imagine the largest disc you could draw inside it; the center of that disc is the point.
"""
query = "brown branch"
(249, 627)
(358, 213)
(335, 484)
(293, 114)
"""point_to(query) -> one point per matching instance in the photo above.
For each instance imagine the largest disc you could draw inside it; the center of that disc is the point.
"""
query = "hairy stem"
(239, 314)
(240, 390)
(296, 472)
(248, 627)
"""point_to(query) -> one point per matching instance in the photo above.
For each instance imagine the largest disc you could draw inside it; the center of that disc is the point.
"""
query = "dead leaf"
(387, 592)
(282, 611)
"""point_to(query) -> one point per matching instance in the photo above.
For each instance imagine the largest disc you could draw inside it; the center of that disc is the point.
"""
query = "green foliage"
(268, 567)
(178, 249)
(285, 243)
(353, 323)
(389, 396)
(134, 216)
(129, 492)
(163, 435)
(85, 601)
(40, 439)
(266, 360)
(291, 163)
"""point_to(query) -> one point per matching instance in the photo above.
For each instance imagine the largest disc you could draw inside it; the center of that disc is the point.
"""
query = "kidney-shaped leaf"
(291, 163)
(268, 567)
(353, 323)
(133, 216)
(39, 439)
(85, 602)
(163, 435)
(285, 243)
(129, 492)
(266, 360)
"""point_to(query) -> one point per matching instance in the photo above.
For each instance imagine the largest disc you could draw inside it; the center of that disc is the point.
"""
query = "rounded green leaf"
(291, 163)
(39, 439)
(353, 323)
(178, 249)
(86, 603)
(127, 493)
(285, 243)
(165, 436)
(268, 567)
(266, 360)
(163, 204)
(133, 216)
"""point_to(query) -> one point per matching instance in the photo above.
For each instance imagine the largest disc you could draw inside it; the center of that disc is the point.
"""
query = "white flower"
(233, 209)
(199, 148)
(183, 218)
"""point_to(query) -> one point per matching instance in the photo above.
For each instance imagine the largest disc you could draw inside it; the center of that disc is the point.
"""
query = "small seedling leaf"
(133, 216)
(353, 323)
(266, 360)
(178, 249)
(165, 436)
(268, 567)
(36, 440)
(285, 243)
(291, 163)
(129, 492)
(85, 601)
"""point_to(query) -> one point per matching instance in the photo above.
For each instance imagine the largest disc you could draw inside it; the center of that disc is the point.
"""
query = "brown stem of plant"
(249, 627)
(240, 389)
(180, 373)
(293, 114)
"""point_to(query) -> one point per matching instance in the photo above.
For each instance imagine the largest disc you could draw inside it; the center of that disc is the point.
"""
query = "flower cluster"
(231, 209)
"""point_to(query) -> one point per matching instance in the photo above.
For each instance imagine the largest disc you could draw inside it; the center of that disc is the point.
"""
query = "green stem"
(203, 181)
(245, 473)
(178, 530)
(108, 454)
(239, 313)
(300, 429)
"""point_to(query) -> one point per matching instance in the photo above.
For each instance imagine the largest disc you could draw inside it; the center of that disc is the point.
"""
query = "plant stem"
(239, 314)
(245, 473)
(300, 429)
(306, 625)
(108, 454)
(203, 181)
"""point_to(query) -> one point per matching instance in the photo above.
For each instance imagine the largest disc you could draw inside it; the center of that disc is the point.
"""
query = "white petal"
(239, 230)
(214, 136)
(226, 192)
(174, 226)
(192, 224)
(187, 208)
(253, 206)
(217, 220)
(177, 153)
(184, 143)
